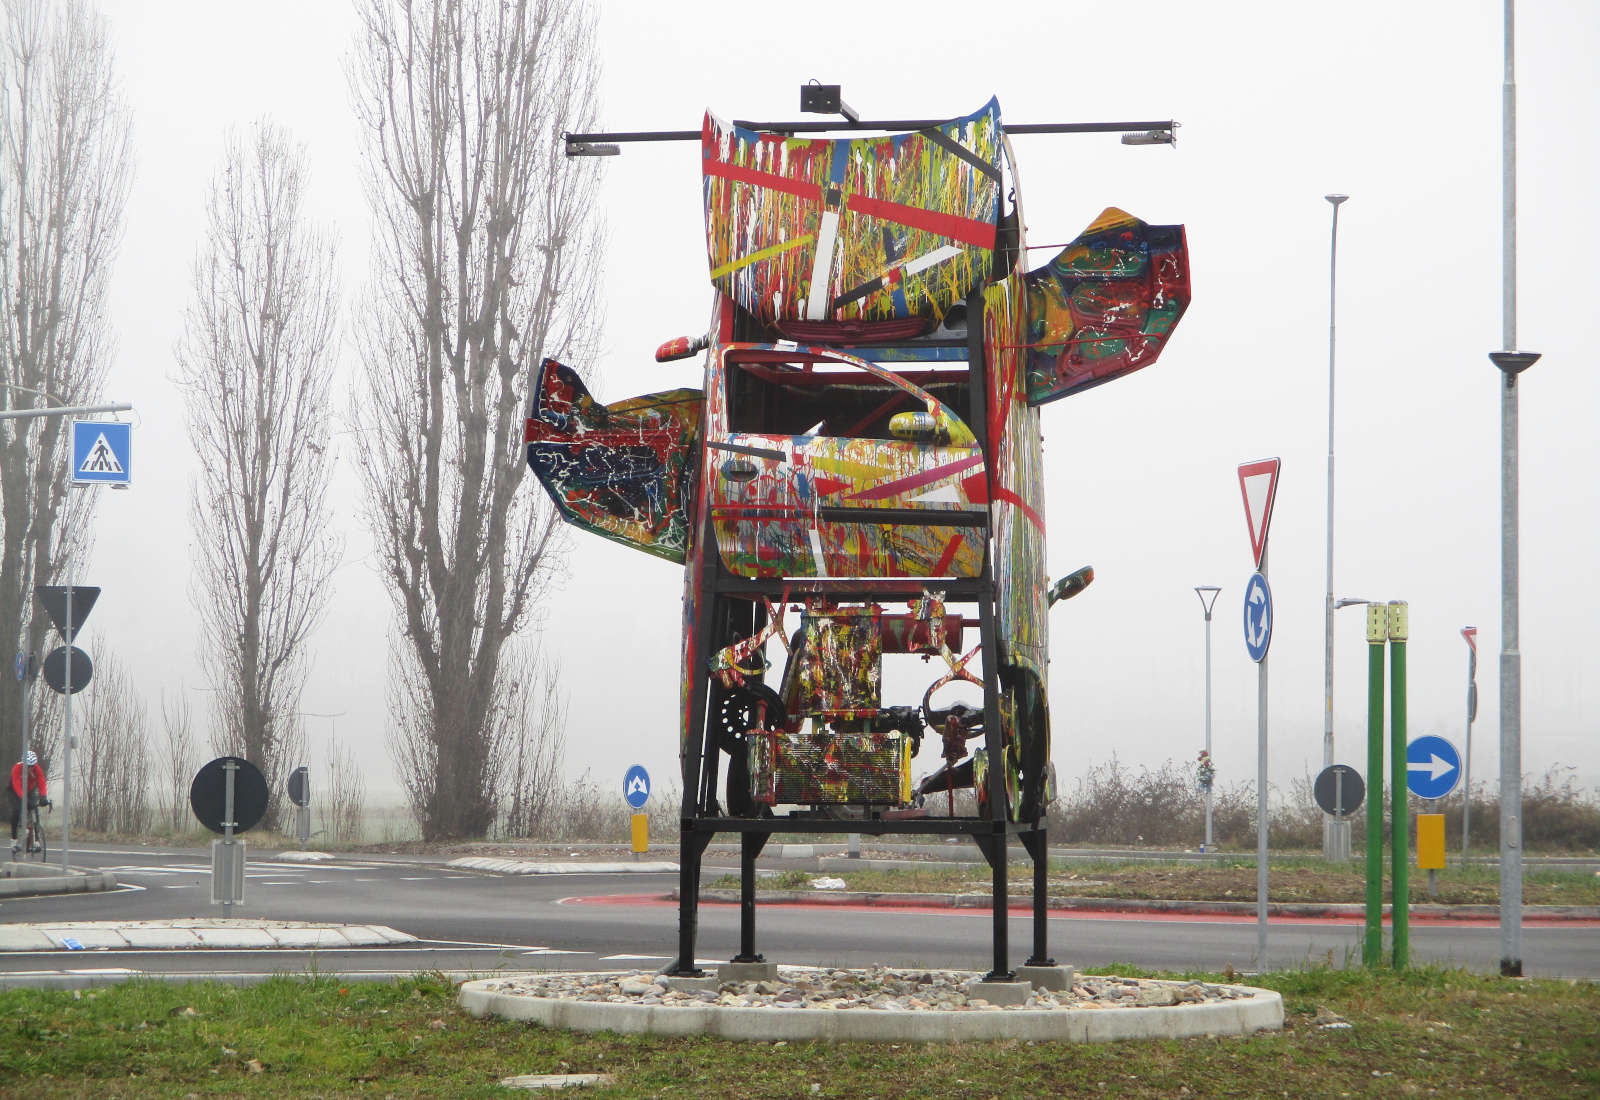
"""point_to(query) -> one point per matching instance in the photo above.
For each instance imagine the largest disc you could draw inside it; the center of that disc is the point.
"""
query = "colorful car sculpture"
(860, 476)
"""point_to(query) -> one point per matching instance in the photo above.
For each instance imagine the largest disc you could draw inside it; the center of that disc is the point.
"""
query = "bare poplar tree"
(112, 765)
(343, 803)
(485, 261)
(536, 745)
(255, 362)
(178, 764)
(64, 173)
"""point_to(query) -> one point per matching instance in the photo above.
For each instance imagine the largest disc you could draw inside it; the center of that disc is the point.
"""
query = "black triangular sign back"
(54, 599)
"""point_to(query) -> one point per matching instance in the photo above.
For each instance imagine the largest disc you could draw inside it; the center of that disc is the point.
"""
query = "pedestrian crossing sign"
(101, 452)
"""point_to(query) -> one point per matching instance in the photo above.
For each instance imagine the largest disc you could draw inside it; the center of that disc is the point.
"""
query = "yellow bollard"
(1430, 842)
(1430, 849)
(641, 833)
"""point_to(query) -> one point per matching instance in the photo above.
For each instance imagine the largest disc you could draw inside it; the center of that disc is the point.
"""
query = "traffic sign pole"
(1258, 485)
(1400, 851)
(1470, 633)
(1377, 634)
(66, 756)
(1261, 796)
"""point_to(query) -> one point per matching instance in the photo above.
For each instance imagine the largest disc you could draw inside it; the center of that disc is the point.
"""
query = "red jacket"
(35, 780)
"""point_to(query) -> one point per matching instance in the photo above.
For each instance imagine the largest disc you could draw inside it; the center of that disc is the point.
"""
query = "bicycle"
(35, 842)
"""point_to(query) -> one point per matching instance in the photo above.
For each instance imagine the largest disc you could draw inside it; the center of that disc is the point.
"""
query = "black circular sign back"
(1339, 790)
(55, 669)
(208, 794)
(299, 787)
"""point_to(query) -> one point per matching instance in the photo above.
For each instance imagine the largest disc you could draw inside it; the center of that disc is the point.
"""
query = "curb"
(981, 900)
(1261, 1011)
(29, 879)
(519, 867)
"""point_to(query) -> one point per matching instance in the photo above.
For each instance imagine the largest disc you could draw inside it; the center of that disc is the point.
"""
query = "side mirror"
(920, 427)
(680, 348)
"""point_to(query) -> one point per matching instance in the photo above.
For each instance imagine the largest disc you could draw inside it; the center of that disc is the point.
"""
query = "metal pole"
(1400, 823)
(66, 765)
(1208, 728)
(27, 703)
(229, 769)
(1510, 653)
(1261, 801)
(1334, 830)
(1203, 591)
(1377, 634)
(1470, 634)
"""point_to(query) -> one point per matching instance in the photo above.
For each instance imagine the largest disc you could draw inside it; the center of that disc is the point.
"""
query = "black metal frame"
(990, 833)
(896, 125)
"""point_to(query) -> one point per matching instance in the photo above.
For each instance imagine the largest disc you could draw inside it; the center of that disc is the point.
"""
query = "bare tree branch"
(177, 758)
(64, 174)
(255, 362)
(486, 260)
(112, 769)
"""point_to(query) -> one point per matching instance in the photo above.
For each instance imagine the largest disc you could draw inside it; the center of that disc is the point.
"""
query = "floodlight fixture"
(1163, 135)
(592, 149)
(1073, 583)
(825, 99)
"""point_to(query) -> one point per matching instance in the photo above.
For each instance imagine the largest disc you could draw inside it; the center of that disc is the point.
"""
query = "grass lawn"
(1350, 1034)
(1309, 880)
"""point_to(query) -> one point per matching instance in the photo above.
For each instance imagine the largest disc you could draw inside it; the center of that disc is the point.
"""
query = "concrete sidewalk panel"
(23, 937)
(159, 938)
(308, 938)
(370, 935)
(87, 938)
(235, 937)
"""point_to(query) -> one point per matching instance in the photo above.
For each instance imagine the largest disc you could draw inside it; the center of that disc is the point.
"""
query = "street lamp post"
(1470, 634)
(1511, 364)
(1335, 831)
(1208, 599)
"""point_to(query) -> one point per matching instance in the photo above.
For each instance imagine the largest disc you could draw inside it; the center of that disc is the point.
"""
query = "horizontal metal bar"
(897, 125)
(904, 517)
(948, 826)
(888, 588)
(65, 410)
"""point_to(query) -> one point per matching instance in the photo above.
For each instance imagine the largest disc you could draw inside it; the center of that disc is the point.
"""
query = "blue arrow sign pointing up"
(636, 787)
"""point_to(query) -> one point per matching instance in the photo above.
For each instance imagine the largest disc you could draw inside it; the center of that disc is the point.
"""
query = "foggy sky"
(1397, 105)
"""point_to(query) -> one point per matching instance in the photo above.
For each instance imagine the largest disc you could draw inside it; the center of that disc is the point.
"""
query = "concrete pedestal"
(1000, 993)
(747, 972)
(1057, 978)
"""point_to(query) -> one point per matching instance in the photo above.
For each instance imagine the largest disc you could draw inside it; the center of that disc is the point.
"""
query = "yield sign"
(54, 599)
(1258, 482)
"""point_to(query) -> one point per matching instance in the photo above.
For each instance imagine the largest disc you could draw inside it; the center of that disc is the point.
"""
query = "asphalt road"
(478, 922)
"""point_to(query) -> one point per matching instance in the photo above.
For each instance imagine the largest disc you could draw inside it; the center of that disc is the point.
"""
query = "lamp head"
(1513, 363)
(1336, 199)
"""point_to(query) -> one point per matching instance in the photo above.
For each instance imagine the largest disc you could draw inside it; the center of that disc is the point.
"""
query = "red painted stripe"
(949, 556)
(1002, 493)
(739, 173)
(954, 226)
(904, 484)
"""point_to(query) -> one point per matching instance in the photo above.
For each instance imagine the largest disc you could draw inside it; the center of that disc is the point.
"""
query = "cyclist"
(36, 792)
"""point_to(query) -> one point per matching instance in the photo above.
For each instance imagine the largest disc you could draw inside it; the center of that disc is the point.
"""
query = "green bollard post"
(1377, 634)
(1400, 839)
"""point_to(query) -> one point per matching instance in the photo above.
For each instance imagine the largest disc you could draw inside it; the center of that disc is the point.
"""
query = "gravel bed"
(878, 988)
